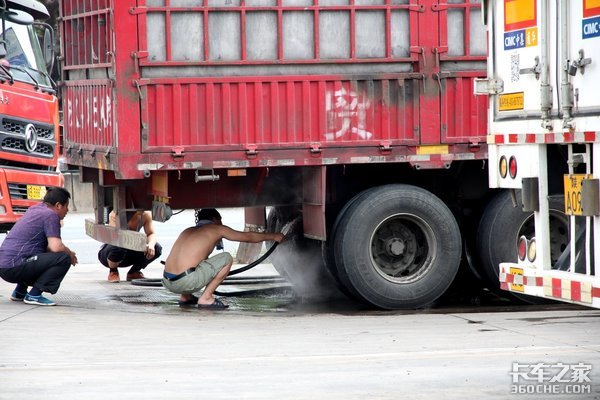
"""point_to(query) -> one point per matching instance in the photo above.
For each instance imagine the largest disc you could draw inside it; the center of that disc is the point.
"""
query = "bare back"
(191, 247)
(196, 243)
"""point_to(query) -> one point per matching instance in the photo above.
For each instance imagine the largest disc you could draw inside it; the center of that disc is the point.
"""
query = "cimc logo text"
(590, 25)
(520, 24)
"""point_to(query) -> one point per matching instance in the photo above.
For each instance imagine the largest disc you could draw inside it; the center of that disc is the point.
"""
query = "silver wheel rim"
(402, 248)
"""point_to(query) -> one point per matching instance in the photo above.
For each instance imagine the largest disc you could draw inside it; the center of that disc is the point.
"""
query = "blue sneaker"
(17, 296)
(38, 300)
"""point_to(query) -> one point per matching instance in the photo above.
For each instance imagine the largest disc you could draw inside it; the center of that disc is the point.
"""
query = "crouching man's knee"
(225, 259)
(157, 250)
(64, 260)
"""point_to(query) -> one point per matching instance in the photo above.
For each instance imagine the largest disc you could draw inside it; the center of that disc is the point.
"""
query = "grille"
(19, 210)
(18, 127)
(17, 191)
(18, 145)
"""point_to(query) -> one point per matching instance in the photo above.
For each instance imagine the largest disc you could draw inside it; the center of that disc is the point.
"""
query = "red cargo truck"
(29, 130)
(355, 120)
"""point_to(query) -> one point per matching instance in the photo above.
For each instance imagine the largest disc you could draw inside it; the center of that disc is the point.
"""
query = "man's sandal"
(216, 305)
(191, 302)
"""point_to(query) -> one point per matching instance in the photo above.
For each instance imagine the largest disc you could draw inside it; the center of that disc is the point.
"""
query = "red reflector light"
(512, 167)
(522, 248)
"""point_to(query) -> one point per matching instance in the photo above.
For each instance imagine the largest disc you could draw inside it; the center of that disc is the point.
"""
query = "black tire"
(298, 259)
(398, 247)
(328, 252)
(499, 230)
(276, 219)
(274, 224)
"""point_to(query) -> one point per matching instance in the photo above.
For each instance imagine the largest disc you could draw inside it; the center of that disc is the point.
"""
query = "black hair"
(206, 213)
(57, 195)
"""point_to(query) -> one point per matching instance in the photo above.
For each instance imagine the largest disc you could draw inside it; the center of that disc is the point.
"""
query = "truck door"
(518, 58)
(583, 54)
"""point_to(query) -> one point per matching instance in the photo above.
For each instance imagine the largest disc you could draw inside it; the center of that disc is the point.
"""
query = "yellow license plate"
(573, 193)
(511, 101)
(516, 287)
(35, 192)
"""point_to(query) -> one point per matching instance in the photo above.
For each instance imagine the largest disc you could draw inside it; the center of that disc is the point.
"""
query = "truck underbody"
(416, 228)
(356, 124)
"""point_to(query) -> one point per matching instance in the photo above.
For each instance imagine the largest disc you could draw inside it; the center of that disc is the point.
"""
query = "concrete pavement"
(118, 341)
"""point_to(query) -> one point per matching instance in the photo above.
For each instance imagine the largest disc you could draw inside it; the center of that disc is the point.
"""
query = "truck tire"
(299, 259)
(276, 219)
(499, 230)
(328, 251)
(398, 247)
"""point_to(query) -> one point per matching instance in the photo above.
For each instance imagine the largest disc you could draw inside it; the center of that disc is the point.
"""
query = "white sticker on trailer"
(517, 35)
(520, 24)
(590, 26)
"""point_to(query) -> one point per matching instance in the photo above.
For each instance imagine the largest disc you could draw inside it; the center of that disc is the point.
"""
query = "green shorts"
(204, 273)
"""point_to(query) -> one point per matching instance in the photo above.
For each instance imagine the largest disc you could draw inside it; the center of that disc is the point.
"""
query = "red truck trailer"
(355, 120)
(29, 125)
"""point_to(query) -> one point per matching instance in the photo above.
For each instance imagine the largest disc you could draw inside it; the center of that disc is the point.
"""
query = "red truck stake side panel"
(200, 83)
(274, 111)
(89, 111)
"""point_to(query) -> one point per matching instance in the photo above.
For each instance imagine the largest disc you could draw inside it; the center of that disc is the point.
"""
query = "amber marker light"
(531, 250)
(503, 167)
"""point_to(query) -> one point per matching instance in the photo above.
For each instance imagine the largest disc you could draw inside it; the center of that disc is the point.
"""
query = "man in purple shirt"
(33, 253)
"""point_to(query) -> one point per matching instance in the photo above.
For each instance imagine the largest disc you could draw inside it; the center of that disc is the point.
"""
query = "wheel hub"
(398, 249)
(395, 246)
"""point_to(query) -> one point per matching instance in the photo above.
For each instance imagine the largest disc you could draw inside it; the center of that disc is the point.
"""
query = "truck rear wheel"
(398, 247)
(501, 227)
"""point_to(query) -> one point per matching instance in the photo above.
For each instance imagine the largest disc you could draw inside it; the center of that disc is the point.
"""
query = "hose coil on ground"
(152, 282)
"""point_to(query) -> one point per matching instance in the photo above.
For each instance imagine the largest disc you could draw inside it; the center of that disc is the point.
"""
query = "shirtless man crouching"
(188, 268)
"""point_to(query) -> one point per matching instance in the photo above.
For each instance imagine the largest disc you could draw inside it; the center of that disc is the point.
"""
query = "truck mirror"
(48, 48)
(19, 17)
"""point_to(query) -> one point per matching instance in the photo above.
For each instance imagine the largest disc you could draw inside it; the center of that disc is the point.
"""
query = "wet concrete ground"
(120, 341)
(260, 290)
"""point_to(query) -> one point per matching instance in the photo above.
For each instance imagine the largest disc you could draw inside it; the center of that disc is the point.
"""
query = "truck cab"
(29, 118)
